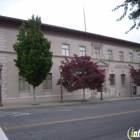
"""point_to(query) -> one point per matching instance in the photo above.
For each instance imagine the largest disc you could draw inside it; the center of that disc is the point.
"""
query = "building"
(111, 54)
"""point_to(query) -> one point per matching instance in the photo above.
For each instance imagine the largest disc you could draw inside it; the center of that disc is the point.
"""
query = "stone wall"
(3, 61)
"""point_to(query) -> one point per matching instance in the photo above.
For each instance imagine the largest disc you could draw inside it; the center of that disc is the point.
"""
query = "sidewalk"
(70, 102)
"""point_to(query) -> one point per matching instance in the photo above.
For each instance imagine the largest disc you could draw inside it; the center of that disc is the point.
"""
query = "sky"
(69, 14)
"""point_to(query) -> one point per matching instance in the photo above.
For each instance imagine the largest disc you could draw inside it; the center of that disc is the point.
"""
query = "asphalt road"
(85, 121)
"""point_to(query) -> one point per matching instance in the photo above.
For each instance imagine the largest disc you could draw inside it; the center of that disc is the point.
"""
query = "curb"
(18, 106)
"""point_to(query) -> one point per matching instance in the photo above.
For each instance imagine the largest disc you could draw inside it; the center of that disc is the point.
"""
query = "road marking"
(70, 120)
(65, 110)
(2, 135)
(7, 114)
(90, 107)
(21, 114)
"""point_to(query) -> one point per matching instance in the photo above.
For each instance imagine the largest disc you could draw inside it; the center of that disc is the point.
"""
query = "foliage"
(34, 60)
(80, 73)
(136, 50)
(135, 74)
(132, 6)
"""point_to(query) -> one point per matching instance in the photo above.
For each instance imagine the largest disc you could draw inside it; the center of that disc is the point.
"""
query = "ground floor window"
(112, 79)
(123, 79)
(47, 83)
(23, 85)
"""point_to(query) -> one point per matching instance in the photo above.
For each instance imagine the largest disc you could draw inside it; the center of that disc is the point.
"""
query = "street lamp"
(60, 70)
(130, 85)
(0, 86)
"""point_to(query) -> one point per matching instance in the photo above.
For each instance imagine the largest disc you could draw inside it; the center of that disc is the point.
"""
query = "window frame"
(112, 79)
(45, 82)
(97, 54)
(26, 85)
(82, 51)
(110, 58)
(123, 81)
(138, 58)
(121, 56)
(130, 57)
(65, 50)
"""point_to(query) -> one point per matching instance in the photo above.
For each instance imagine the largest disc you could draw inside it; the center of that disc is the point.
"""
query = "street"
(85, 121)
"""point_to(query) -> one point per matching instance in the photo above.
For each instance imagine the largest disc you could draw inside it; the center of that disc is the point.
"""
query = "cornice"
(121, 61)
(70, 33)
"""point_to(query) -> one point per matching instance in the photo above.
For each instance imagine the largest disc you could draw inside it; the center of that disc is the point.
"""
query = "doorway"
(134, 90)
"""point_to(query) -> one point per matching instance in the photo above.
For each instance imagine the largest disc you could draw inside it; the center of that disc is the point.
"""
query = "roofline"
(63, 29)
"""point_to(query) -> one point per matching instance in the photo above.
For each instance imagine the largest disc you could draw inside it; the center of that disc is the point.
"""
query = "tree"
(80, 73)
(135, 74)
(132, 6)
(34, 60)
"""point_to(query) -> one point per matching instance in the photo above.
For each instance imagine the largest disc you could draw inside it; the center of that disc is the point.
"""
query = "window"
(110, 57)
(97, 53)
(23, 85)
(139, 58)
(130, 57)
(121, 56)
(47, 83)
(65, 50)
(82, 51)
(123, 79)
(112, 79)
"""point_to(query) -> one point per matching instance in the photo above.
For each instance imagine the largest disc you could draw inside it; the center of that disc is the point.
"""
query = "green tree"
(34, 59)
(132, 8)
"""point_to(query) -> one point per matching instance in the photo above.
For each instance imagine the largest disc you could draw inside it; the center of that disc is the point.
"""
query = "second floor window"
(65, 50)
(97, 53)
(121, 56)
(82, 51)
(110, 57)
(130, 57)
(139, 58)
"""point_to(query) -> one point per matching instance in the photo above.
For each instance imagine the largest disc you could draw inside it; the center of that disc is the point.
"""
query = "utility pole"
(84, 18)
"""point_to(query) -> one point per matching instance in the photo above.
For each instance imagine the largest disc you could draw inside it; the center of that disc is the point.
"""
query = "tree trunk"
(34, 94)
(101, 94)
(84, 95)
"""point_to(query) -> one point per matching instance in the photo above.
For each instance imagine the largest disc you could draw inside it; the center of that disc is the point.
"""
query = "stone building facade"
(112, 55)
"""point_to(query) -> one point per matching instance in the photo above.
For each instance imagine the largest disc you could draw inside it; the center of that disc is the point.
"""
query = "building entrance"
(134, 90)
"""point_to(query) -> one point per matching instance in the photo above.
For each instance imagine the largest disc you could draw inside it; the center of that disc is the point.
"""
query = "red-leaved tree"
(80, 72)
(135, 74)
